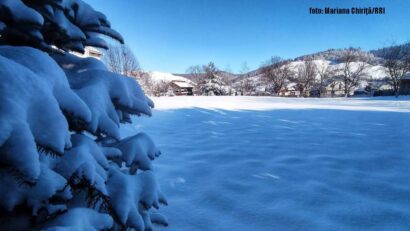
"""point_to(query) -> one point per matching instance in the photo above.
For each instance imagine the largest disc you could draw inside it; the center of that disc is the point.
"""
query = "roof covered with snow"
(157, 76)
(182, 84)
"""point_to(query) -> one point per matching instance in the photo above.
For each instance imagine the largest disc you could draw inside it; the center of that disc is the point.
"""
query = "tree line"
(309, 77)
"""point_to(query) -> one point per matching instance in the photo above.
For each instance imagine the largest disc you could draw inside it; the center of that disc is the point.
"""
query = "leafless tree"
(274, 60)
(121, 59)
(325, 73)
(306, 76)
(145, 80)
(353, 70)
(227, 76)
(275, 72)
(160, 88)
(196, 72)
(197, 75)
(247, 86)
(397, 63)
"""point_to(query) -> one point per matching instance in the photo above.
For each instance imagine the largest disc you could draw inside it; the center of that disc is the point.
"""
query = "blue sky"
(171, 35)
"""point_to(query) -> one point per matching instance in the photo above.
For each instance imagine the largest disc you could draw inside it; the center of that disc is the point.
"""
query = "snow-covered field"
(260, 163)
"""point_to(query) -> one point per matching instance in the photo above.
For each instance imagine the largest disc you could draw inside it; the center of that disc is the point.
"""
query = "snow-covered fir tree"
(212, 84)
(63, 164)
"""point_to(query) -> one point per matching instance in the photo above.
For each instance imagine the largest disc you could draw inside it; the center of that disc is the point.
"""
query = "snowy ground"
(259, 163)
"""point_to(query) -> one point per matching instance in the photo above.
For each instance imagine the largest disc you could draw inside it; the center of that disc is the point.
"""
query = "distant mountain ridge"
(334, 55)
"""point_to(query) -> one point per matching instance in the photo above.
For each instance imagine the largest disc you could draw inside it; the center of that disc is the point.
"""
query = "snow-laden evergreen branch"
(63, 163)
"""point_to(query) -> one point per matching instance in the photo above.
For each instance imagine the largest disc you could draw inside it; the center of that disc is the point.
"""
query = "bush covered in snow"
(63, 164)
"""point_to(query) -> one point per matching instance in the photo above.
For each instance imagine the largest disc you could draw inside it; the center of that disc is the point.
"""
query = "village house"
(290, 91)
(180, 87)
(90, 52)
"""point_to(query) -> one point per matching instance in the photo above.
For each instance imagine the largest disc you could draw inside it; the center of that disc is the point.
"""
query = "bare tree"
(145, 80)
(353, 70)
(306, 76)
(160, 88)
(227, 77)
(196, 72)
(397, 63)
(272, 61)
(197, 75)
(121, 59)
(275, 72)
(247, 86)
(325, 73)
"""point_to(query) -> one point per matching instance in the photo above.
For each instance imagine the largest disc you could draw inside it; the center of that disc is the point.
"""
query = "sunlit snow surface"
(256, 163)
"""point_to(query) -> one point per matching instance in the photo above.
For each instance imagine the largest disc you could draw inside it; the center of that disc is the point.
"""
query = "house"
(180, 87)
(90, 52)
(334, 88)
(405, 85)
(290, 90)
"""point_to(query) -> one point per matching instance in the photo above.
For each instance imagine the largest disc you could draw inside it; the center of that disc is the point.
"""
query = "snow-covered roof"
(291, 86)
(182, 84)
(157, 76)
(89, 52)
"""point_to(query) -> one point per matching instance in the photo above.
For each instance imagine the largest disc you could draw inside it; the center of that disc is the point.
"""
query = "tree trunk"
(397, 93)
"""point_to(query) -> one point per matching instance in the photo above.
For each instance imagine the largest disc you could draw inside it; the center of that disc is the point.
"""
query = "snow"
(138, 151)
(31, 118)
(48, 70)
(402, 104)
(261, 163)
(13, 194)
(84, 160)
(131, 194)
(19, 13)
(104, 92)
(81, 219)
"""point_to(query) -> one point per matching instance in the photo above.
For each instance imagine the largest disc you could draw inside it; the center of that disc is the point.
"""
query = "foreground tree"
(64, 165)
(397, 62)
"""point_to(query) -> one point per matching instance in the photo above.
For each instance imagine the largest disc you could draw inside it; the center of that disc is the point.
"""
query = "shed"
(180, 87)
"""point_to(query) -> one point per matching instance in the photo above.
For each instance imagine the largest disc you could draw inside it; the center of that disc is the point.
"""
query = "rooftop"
(182, 84)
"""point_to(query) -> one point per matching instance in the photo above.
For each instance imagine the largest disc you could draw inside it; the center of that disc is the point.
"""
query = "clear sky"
(171, 35)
